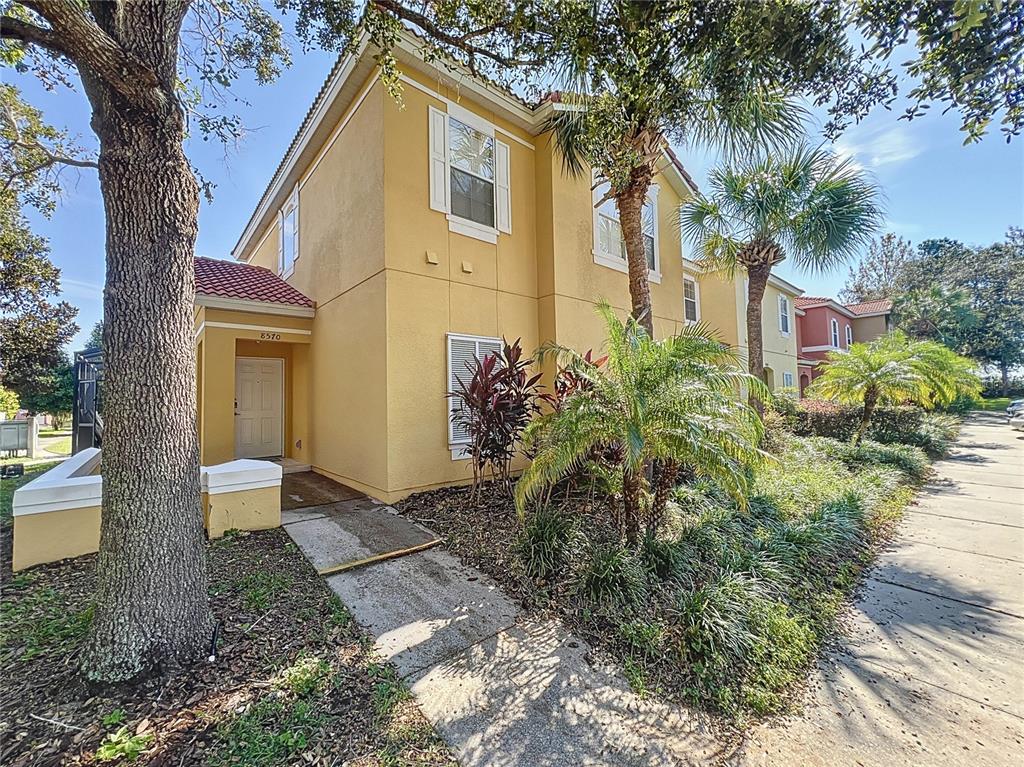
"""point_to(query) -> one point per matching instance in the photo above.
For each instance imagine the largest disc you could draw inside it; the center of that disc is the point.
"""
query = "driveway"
(932, 669)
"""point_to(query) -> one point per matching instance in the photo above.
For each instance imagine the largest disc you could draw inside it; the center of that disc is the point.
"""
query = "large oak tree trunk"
(151, 603)
(630, 204)
(757, 281)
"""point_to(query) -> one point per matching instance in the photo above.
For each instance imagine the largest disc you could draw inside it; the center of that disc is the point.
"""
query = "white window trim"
(618, 264)
(787, 375)
(291, 204)
(458, 448)
(834, 333)
(849, 335)
(696, 296)
(500, 184)
(784, 312)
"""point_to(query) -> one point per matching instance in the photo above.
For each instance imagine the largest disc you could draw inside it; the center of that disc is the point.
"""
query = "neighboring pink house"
(824, 325)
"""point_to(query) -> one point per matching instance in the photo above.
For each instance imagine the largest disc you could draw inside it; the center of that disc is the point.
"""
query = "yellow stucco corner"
(55, 535)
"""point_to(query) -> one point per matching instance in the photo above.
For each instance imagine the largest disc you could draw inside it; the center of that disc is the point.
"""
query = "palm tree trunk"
(630, 203)
(870, 401)
(757, 281)
(630, 505)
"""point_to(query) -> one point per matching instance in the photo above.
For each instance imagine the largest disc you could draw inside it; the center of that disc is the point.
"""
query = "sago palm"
(674, 402)
(893, 370)
(807, 205)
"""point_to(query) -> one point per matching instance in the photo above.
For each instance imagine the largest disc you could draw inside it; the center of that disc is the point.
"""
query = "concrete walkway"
(502, 689)
(932, 672)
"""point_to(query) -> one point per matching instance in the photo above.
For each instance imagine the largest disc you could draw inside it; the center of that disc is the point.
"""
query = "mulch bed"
(274, 610)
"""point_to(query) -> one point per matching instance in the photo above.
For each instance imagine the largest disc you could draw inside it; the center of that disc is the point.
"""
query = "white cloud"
(71, 288)
(892, 145)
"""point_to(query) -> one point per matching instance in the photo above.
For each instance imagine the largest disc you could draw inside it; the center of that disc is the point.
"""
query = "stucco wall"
(867, 329)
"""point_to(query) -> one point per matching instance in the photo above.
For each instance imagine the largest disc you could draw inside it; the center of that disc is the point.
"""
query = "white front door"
(259, 407)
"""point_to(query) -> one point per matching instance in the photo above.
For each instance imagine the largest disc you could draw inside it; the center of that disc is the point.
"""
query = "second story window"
(784, 315)
(849, 336)
(288, 242)
(471, 158)
(691, 300)
(610, 248)
(835, 333)
(469, 174)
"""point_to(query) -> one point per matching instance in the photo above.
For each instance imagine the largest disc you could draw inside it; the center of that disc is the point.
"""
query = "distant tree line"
(970, 298)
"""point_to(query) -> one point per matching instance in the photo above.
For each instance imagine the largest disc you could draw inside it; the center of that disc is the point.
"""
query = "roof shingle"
(244, 282)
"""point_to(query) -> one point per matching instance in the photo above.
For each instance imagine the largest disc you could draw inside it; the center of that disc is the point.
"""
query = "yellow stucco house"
(393, 242)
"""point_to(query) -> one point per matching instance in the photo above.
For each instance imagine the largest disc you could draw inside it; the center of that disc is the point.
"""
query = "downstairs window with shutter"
(462, 351)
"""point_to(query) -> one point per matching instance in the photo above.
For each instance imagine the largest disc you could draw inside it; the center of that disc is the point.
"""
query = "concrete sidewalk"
(931, 672)
(503, 690)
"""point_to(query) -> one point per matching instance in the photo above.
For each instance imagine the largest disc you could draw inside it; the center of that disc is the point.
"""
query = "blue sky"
(933, 186)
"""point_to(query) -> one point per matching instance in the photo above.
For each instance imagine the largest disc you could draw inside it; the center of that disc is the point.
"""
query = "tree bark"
(630, 203)
(870, 401)
(1004, 370)
(757, 280)
(152, 609)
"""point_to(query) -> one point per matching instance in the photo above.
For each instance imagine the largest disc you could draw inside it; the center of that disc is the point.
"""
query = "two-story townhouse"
(724, 306)
(395, 242)
(825, 325)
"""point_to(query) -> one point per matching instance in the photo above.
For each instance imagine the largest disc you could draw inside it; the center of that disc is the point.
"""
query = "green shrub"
(644, 637)
(823, 418)
(908, 459)
(612, 575)
(936, 434)
(545, 542)
(662, 558)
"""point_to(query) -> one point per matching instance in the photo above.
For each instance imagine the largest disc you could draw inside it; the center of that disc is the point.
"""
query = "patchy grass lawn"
(995, 403)
(295, 680)
(56, 445)
(728, 607)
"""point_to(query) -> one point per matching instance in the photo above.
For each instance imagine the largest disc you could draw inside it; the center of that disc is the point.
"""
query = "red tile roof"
(805, 301)
(871, 307)
(231, 279)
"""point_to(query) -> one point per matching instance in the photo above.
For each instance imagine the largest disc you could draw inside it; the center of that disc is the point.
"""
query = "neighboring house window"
(849, 336)
(835, 333)
(609, 247)
(462, 351)
(469, 174)
(784, 315)
(288, 242)
(787, 378)
(691, 300)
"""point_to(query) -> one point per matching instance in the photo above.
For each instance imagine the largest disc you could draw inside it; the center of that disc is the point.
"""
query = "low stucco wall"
(57, 515)
(258, 509)
(55, 535)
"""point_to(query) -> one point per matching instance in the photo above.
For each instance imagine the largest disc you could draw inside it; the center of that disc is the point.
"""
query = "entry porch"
(252, 346)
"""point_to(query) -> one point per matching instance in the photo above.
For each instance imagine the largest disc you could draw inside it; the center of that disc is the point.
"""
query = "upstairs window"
(469, 174)
(288, 228)
(849, 336)
(691, 300)
(835, 333)
(471, 159)
(609, 247)
(784, 315)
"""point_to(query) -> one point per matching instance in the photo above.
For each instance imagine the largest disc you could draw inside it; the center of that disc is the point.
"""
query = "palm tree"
(635, 75)
(893, 369)
(808, 205)
(672, 402)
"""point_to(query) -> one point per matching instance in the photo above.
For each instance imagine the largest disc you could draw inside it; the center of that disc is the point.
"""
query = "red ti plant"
(497, 402)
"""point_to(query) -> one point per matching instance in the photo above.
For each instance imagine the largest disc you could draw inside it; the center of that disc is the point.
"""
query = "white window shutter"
(462, 352)
(280, 242)
(438, 130)
(502, 197)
